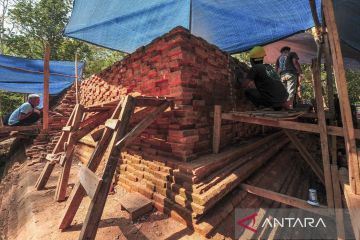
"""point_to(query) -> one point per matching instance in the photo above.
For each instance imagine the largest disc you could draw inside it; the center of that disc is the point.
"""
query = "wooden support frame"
(322, 129)
(285, 199)
(46, 87)
(340, 80)
(217, 128)
(8, 129)
(339, 214)
(272, 122)
(306, 155)
(116, 139)
(74, 130)
(60, 192)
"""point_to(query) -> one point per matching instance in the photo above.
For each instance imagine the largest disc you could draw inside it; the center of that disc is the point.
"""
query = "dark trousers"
(32, 118)
(255, 97)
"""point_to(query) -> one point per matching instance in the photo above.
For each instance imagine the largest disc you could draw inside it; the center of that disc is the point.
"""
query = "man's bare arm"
(24, 115)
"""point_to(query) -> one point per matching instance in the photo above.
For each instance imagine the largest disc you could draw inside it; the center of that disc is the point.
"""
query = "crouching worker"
(27, 113)
(269, 91)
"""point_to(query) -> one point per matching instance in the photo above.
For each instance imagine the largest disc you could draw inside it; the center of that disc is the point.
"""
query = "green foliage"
(10, 101)
(100, 59)
(353, 79)
(43, 20)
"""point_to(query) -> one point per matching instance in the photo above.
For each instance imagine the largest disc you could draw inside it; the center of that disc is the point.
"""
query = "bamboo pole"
(322, 128)
(76, 79)
(46, 87)
(340, 80)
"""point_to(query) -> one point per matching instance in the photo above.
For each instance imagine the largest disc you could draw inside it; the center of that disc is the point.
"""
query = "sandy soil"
(29, 214)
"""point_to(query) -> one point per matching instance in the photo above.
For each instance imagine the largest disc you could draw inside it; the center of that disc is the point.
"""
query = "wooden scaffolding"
(110, 140)
(328, 43)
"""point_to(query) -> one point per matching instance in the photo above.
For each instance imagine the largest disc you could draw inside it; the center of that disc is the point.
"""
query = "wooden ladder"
(75, 129)
(114, 138)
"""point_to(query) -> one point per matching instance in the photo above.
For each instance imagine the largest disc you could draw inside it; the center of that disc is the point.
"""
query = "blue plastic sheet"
(26, 75)
(233, 25)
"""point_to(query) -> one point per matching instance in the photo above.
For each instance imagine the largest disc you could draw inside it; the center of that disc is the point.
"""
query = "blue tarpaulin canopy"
(232, 25)
(27, 75)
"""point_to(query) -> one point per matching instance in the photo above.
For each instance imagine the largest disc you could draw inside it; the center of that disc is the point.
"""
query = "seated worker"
(27, 113)
(269, 91)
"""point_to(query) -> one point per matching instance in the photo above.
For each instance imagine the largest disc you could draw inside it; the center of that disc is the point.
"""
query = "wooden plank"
(89, 180)
(76, 80)
(95, 119)
(78, 192)
(340, 79)
(96, 135)
(322, 129)
(305, 127)
(8, 129)
(141, 126)
(60, 192)
(353, 203)
(44, 175)
(306, 155)
(339, 214)
(206, 164)
(112, 123)
(217, 128)
(91, 223)
(46, 87)
(100, 119)
(67, 129)
(288, 200)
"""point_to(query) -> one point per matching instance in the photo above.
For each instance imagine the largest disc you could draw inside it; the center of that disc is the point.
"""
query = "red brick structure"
(196, 74)
(170, 162)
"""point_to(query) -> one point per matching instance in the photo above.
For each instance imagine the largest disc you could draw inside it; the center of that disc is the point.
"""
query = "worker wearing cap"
(27, 113)
(269, 91)
(287, 65)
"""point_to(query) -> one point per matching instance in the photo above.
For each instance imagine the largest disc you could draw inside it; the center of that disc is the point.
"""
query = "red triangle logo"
(242, 222)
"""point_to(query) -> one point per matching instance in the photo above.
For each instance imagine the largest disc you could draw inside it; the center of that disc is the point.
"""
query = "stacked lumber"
(188, 191)
(283, 174)
(196, 74)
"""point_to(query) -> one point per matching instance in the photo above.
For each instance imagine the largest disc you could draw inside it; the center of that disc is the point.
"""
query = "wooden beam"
(60, 192)
(97, 204)
(8, 129)
(97, 119)
(353, 203)
(217, 128)
(90, 181)
(288, 200)
(339, 214)
(141, 126)
(340, 79)
(315, 67)
(96, 135)
(306, 155)
(272, 122)
(46, 87)
(314, 13)
(76, 80)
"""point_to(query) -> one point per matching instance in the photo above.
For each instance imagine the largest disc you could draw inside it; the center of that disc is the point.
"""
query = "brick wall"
(194, 72)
